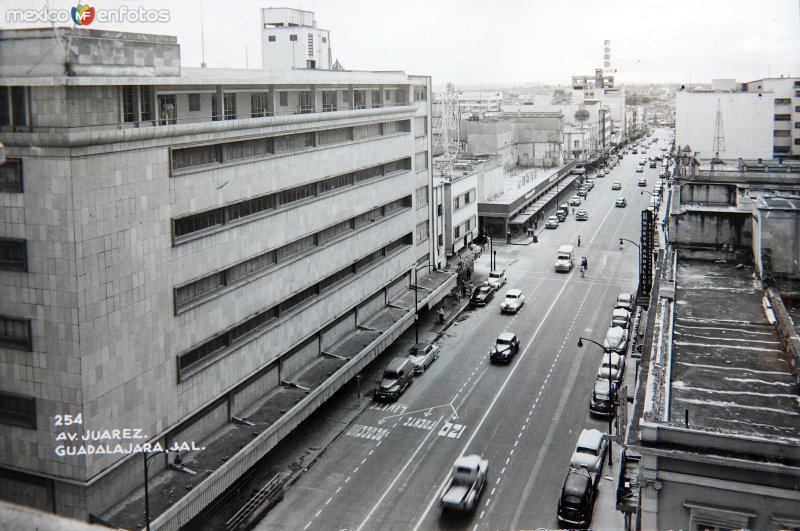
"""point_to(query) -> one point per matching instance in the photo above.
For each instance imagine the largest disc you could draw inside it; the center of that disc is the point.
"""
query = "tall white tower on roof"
(290, 39)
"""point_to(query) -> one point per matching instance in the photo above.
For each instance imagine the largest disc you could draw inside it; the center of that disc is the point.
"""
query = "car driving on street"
(504, 348)
(616, 185)
(513, 302)
(574, 200)
(552, 223)
(581, 215)
(620, 202)
(497, 278)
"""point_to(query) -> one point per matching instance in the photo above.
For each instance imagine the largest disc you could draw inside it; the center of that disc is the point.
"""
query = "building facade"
(786, 133)
(178, 242)
(290, 39)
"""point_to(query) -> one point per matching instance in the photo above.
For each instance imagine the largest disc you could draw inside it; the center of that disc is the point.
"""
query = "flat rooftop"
(728, 367)
(519, 182)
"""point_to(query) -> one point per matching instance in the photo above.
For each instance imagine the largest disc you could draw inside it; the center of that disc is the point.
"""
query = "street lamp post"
(611, 409)
(147, 459)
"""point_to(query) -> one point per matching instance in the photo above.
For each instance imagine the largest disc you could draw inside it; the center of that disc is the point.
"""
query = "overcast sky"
(502, 42)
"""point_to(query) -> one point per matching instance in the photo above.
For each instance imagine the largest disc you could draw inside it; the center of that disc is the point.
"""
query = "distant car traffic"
(642, 181)
(601, 172)
(583, 192)
(581, 215)
(621, 202)
(640, 168)
(505, 347)
(513, 302)
(552, 223)
(616, 185)
(574, 200)
(422, 355)
(482, 295)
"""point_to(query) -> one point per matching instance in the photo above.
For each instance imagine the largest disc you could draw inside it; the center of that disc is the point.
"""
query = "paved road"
(386, 470)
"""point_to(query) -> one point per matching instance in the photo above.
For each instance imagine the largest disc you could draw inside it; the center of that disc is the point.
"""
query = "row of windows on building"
(140, 104)
(293, 38)
(188, 225)
(244, 331)
(463, 229)
(238, 151)
(201, 289)
(462, 200)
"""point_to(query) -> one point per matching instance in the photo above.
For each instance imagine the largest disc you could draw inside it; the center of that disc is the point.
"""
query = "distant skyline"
(511, 42)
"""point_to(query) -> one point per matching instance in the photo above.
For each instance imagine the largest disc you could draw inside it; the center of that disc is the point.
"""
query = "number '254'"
(68, 420)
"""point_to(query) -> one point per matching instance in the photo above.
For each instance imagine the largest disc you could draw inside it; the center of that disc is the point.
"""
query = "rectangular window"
(783, 117)
(361, 132)
(420, 93)
(372, 257)
(422, 196)
(334, 136)
(251, 325)
(128, 101)
(202, 352)
(11, 176)
(421, 161)
(167, 109)
(19, 111)
(782, 132)
(250, 267)
(783, 101)
(18, 410)
(334, 231)
(306, 102)
(229, 104)
(441, 240)
(400, 126)
(367, 217)
(271, 38)
(395, 245)
(196, 156)
(13, 255)
(146, 103)
(283, 99)
(292, 38)
(395, 205)
(298, 299)
(188, 293)
(335, 278)
(421, 126)
(387, 95)
(359, 99)
(296, 194)
(295, 247)
(246, 149)
(250, 207)
(422, 231)
(376, 99)
(367, 173)
(328, 100)
(334, 183)
(198, 222)
(398, 165)
(258, 105)
(194, 102)
(5, 106)
(15, 333)
(294, 142)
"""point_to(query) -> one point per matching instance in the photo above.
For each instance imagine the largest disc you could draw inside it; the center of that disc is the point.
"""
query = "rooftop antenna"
(719, 136)
(246, 59)
(202, 37)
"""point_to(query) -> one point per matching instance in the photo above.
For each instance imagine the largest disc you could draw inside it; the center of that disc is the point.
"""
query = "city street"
(387, 469)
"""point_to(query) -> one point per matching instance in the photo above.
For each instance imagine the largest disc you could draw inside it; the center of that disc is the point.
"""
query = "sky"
(496, 43)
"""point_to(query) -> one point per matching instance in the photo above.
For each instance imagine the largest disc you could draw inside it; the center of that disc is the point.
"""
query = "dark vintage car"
(482, 295)
(577, 499)
(505, 347)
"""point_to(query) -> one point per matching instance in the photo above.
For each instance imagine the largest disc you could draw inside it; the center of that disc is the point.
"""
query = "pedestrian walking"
(579, 241)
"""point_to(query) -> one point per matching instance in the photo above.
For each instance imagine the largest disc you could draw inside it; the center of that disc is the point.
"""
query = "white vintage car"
(513, 302)
(616, 339)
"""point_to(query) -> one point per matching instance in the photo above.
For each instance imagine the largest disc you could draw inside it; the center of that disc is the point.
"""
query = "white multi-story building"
(747, 123)
(290, 39)
(786, 132)
(481, 104)
(176, 243)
